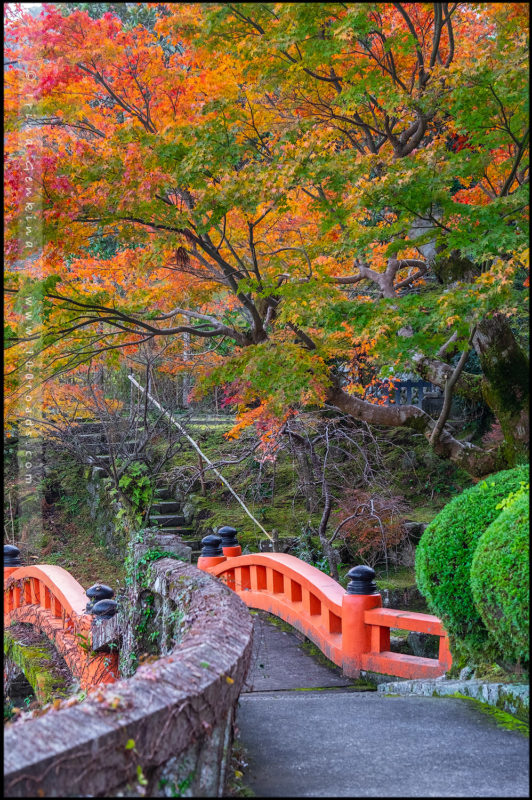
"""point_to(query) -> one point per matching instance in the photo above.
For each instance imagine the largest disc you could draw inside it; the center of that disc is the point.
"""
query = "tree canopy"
(296, 200)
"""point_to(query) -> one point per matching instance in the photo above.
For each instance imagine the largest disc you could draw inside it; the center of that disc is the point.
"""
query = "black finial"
(11, 556)
(361, 580)
(104, 609)
(211, 546)
(228, 535)
(96, 593)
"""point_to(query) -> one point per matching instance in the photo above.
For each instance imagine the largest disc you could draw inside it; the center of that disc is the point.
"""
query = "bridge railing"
(350, 627)
(53, 589)
(49, 598)
(169, 725)
(381, 659)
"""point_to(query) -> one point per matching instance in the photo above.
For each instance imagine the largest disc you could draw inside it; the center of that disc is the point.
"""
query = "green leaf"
(140, 776)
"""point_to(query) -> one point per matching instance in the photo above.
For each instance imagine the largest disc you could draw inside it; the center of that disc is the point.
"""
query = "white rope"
(202, 454)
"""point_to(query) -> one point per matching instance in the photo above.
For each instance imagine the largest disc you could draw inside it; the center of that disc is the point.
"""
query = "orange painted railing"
(352, 630)
(50, 599)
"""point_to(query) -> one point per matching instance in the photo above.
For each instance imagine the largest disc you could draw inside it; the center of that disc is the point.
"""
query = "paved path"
(335, 741)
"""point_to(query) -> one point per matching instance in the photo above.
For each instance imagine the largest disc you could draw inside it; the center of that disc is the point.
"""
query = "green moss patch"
(45, 670)
(501, 718)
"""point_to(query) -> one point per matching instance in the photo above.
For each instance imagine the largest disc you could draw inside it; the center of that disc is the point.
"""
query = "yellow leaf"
(229, 680)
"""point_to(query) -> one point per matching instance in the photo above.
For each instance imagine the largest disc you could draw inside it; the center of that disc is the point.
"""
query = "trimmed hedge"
(500, 580)
(445, 552)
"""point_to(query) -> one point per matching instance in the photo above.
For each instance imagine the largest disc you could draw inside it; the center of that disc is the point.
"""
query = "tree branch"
(448, 394)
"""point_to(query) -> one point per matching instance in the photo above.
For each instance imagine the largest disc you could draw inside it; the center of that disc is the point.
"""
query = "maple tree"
(294, 200)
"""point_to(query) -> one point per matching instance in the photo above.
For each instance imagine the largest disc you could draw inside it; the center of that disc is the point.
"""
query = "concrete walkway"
(335, 741)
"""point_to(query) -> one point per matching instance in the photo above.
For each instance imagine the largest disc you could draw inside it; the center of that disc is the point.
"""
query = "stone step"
(89, 427)
(92, 436)
(98, 458)
(180, 530)
(100, 438)
(163, 520)
(209, 421)
(195, 544)
(94, 429)
(102, 451)
(95, 446)
(164, 493)
(166, 506)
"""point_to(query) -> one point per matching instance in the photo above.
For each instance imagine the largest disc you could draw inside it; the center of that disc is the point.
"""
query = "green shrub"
(445, 553)
(500, 582)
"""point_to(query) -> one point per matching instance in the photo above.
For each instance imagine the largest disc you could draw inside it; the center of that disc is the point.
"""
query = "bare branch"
(448, 393)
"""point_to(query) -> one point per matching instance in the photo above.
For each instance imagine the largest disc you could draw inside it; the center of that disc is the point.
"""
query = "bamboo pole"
(200, 452)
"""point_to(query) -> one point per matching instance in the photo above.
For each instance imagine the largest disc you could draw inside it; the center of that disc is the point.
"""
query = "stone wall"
(29, 653)
(105, 510)
(164, 732)
(512, 698)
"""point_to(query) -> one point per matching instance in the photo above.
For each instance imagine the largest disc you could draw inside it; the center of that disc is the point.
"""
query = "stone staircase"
(95, 447)
(166, 515)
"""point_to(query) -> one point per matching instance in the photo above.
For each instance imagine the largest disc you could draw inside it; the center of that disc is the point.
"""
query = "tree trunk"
(438, 373)
(201, 475)
(473, 459)
(505, 383)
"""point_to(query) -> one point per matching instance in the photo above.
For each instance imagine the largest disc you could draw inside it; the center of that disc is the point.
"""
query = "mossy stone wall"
(37, 664)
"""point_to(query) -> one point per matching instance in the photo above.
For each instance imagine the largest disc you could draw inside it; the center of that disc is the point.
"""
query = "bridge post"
(211, 553)
(11, 559)
(230, 546)
(361, 595)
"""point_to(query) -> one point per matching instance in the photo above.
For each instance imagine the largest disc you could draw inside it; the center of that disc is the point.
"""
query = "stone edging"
(512, 698)
(178, 711)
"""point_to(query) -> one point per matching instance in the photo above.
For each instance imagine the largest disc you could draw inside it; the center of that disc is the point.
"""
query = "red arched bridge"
(350, 627)
(50, 599)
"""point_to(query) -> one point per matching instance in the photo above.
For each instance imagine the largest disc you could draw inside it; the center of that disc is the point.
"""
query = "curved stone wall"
(164, 732)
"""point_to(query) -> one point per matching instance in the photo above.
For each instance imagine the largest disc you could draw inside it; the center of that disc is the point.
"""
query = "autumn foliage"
(268, 194)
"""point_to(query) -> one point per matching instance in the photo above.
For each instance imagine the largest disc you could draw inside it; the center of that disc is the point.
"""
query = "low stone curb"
(510, 697)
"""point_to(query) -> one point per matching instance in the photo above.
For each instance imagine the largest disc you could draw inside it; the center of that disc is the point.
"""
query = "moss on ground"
(502, 718)
(314, 651)
(426, 488)
(399, 578)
